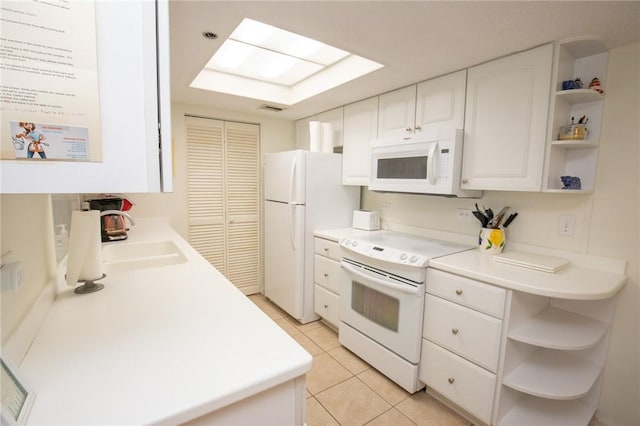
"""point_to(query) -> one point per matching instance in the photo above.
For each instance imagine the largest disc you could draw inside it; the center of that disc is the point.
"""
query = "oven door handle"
(385, 284)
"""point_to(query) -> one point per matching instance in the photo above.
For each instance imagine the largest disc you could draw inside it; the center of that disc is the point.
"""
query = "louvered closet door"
(242, 206)
(223, 194)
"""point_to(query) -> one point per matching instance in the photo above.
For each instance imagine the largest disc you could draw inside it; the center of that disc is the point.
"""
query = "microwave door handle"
(397, 287)
(432, 164)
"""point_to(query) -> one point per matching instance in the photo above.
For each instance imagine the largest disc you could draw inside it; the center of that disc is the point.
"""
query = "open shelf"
(574, 144)
(531, 411)
(553, 374)
(585, 58)
(578, 96)
(558, 329)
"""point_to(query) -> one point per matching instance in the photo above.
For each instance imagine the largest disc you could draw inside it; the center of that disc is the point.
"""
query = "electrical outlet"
(11, 276)
(464, 214)
(566, 225)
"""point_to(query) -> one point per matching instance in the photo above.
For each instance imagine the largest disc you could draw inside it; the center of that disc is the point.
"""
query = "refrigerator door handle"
(292, 176)
(292, 239)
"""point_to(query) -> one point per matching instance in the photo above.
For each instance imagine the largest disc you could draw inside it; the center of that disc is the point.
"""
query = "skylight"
(264, 62)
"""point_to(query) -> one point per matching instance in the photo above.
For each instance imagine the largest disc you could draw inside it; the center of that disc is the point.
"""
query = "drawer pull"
(458, 292)
(326, 250)
(454, 331)
(451, 380)
(325, 275)
(326, 306)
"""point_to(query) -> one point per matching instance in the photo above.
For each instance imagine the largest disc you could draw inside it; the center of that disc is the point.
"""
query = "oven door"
(386, 310)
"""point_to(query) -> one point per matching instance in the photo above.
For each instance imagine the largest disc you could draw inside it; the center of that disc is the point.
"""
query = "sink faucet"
(118, 212)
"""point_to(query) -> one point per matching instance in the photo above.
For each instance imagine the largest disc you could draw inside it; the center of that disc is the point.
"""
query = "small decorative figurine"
(595, 85)
(571, 182)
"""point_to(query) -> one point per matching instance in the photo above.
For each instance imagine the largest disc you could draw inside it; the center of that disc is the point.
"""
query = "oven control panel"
(371, 249)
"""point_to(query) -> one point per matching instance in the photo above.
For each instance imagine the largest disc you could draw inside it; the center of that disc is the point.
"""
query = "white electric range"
(382, 290)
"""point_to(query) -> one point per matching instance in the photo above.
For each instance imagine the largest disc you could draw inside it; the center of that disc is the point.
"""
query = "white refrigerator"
(303, 192)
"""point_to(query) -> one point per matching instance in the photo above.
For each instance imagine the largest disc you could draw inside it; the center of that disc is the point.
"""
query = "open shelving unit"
(555, 353)
(583, 58)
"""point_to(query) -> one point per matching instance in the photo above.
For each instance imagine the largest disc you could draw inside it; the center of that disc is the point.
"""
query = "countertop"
(156, 345)
(575, 282)
(586, 277)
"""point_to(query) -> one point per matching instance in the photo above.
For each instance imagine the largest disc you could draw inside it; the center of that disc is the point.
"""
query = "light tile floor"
(344, 390)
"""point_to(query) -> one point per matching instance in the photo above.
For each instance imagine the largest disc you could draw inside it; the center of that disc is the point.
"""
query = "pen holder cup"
(491, 241)
(573, 132)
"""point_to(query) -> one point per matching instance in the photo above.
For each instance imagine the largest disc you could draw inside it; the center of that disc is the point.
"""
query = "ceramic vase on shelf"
(491, 241)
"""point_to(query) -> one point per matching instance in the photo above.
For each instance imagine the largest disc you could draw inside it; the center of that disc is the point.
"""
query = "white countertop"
(156, 345)
(574, 282)
(586, 277)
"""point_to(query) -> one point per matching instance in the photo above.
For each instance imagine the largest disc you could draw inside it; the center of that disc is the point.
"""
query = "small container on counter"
(575, 132)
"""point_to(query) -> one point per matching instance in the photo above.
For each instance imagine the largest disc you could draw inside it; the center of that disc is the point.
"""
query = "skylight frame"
(316, 71)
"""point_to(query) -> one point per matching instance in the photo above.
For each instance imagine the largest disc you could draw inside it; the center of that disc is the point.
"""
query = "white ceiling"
(416, 40)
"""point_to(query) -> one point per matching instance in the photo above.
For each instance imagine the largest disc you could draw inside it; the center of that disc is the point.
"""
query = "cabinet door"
(360, 128)
(506, 121)
(335, 118)
(133, 76)
(440, 102)
(397, 113)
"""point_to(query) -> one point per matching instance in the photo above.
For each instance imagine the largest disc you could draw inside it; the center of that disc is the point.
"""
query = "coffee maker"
(112, 226)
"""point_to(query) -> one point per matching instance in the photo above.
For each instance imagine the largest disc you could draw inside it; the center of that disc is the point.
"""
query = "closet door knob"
(325, 275)
(451, 380)
(458, 292)
(454, 331)
(465, 181)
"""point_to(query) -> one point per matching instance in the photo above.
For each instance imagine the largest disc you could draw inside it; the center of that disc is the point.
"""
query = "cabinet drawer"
(327, 305)
(468, 333)
(327, 248)
(467, 292)
(465, 384)
(326, 272)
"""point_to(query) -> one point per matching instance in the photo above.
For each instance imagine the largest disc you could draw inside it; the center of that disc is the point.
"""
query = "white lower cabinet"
(326, 277)
(508, 357)
(464, 383)
(462, 344)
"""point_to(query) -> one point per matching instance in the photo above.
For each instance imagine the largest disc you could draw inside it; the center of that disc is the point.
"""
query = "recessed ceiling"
(416, 40)
(260, 61)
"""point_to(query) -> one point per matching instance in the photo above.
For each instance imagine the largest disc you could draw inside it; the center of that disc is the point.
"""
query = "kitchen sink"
(130, 256)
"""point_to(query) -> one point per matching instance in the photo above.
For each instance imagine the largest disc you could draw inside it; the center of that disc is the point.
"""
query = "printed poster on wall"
(49, 94)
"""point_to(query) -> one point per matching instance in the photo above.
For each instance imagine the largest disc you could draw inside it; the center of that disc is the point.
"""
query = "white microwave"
(428, 163)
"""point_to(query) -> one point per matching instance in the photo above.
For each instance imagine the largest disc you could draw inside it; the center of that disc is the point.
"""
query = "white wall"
(607, 224)
(27, 236)
(275, 135)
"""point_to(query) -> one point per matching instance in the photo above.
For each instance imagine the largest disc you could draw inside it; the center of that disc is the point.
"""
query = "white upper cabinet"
(134, 89)
(429, 105)
(507, 105)
(360, 128)
(397, 113)
(440, 102)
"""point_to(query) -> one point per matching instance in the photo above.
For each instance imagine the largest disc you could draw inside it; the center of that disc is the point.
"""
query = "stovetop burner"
(400, 248)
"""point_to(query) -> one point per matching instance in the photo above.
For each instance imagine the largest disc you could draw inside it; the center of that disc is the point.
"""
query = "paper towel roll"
(327, 137)
(315, 136)
(84, 260)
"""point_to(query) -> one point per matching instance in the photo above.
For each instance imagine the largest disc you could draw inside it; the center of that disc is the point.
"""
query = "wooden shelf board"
(574, 144)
